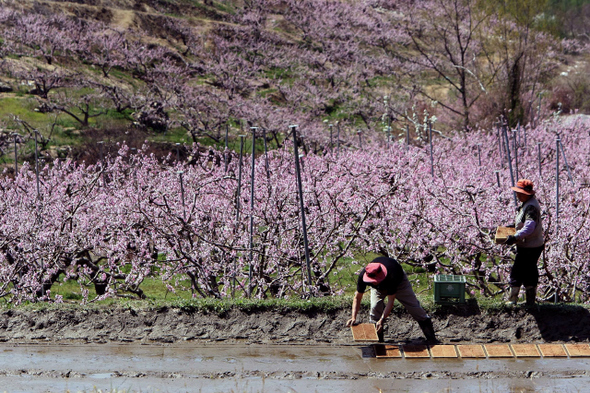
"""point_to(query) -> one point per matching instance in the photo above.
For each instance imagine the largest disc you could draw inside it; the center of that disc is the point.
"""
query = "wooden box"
(502, 234)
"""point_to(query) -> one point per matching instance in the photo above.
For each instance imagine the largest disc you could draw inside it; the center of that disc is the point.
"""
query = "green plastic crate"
(449, 289)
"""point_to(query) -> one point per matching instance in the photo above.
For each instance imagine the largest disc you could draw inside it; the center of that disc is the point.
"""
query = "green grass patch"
(328, 304)
(24, 109)
(158, 297)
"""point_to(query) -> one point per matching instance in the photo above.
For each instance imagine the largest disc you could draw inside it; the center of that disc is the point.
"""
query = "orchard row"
(195, 227)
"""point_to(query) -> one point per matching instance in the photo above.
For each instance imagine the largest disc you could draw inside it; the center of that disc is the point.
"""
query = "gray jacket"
(530, 210)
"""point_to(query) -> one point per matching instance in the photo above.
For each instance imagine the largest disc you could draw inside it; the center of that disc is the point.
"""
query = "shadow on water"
(368, 351)
(561, 322)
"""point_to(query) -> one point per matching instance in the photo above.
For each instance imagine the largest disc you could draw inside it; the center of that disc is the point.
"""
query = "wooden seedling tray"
(578, 350)
(502, 234)
(387, 351)
(498, 351)
(525, 350)
(443, 351)
(471, 351)
(364, 332)
(552, 350)
(416, 351)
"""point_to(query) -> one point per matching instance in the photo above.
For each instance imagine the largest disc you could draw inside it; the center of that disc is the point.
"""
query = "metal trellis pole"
(100, 153)
(507, 142)
(238, 197)
(569, 173)
(388, 131)
(557, 187)
(239, 190)
(479, 153)
(266, 165)
(500, 142)
(15, 156)
(338, 140)
(431, 152)
(226, 145)
(37, 165)
(250, 271)
(301, 205)
(515, 153)
(182, 195)
(360, 134)
(539, 157)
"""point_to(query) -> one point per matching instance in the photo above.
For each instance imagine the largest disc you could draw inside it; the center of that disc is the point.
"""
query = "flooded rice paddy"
(219, 367)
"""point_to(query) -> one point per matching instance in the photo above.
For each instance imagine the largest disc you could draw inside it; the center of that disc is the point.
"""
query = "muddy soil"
(456, 324)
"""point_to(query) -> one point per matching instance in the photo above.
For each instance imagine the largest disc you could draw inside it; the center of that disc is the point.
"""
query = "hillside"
(186, 71)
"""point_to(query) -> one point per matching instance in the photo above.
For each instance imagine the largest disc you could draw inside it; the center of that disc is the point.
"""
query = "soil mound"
(169, 325)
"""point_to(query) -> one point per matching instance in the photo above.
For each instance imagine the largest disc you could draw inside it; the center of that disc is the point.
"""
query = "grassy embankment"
(157, 296)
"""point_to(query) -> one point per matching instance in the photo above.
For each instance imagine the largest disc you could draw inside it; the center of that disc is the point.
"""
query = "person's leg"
(531, 295)
(513, 296)
(517, 274)
(531, 279)
(428, 330)
(377, 307)
(406, 296)
(377, 304)
(528, 258)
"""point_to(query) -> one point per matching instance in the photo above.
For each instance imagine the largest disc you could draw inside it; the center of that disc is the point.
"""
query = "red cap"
(524, 186)
(374, 273)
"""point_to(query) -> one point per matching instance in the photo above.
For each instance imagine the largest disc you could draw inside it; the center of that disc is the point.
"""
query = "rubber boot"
(428, 330)
(513, 297)
(531, 296)
(380, 336)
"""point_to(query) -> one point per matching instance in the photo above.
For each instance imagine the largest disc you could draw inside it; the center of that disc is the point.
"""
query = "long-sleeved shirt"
(527, 229)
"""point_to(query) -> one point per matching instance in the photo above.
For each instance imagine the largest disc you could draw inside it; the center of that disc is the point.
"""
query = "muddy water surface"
(190, 367)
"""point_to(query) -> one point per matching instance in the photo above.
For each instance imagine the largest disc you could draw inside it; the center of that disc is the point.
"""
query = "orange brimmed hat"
(524, 186)
(374, 273)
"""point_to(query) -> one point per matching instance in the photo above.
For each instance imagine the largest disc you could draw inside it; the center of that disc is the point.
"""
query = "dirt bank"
(466, 324)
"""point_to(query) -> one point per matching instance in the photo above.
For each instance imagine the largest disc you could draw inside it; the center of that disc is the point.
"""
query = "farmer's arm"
(356, 305)
(386, 312)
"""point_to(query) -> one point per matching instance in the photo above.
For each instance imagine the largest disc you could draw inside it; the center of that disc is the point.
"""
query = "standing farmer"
(388, 280)
(529, 242)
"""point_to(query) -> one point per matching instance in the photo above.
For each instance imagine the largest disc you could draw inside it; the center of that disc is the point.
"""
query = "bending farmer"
(529, 242)
(388, 280)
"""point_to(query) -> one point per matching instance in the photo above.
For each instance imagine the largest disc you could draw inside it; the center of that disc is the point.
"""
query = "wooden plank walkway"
(481, 351)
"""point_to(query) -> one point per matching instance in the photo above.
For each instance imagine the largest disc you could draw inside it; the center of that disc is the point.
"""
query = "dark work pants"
(405, 295)
(524, 271)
